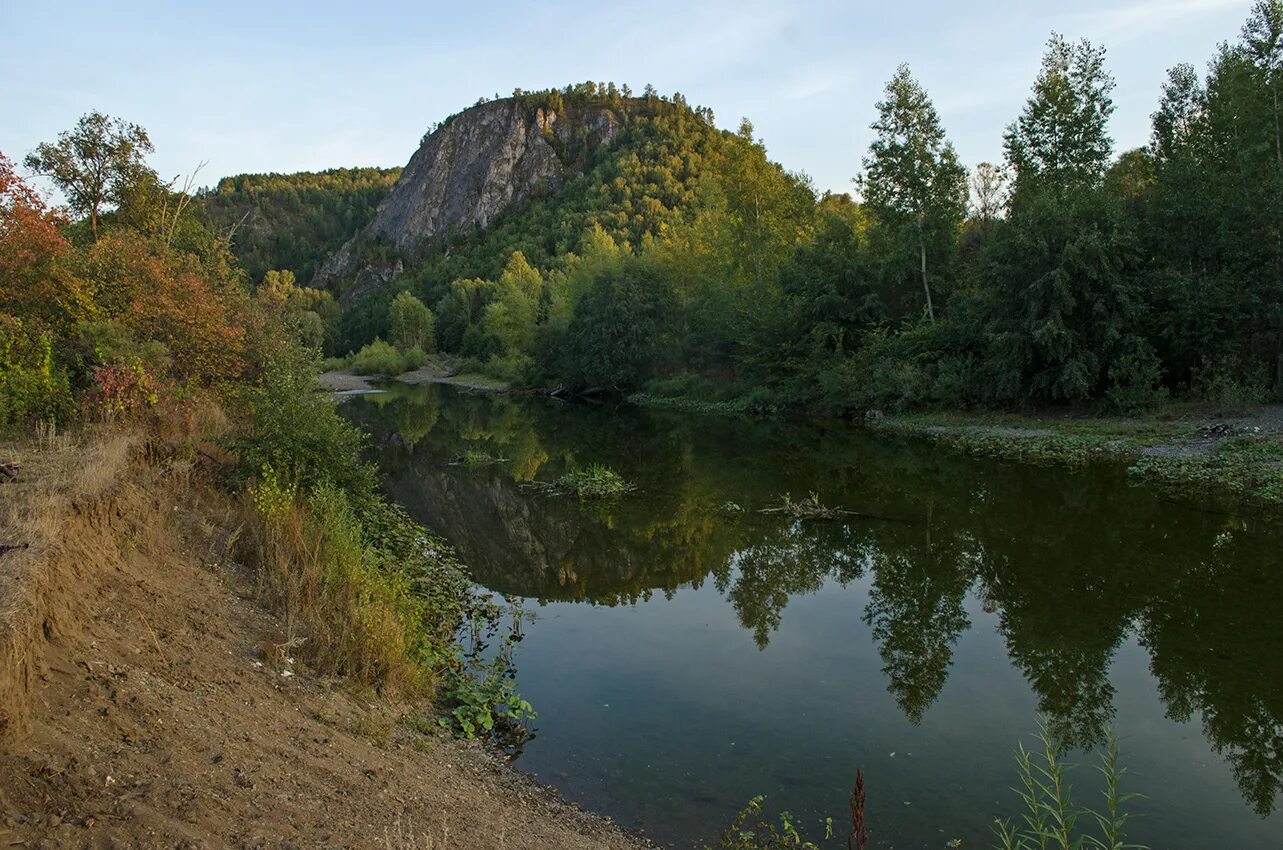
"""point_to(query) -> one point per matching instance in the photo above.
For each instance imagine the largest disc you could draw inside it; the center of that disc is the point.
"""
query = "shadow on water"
(967, 597)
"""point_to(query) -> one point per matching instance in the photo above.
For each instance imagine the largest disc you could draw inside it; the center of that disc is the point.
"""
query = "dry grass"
(311, 564)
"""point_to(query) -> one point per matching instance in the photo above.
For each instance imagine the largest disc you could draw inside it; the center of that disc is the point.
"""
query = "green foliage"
(750, 831)
(594, 482)
(294, 221)
(1061, 141)
(616, 336)
(1066, 300)
(32, 386)
(1051, 820)
(410, 324)
(380, 358)
(298, 434)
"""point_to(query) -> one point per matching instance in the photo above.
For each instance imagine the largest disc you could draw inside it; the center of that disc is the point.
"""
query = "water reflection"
(1072, 565)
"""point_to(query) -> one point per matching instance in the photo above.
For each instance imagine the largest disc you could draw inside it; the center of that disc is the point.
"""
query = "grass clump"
(473, 457)
(810, 508)
(594, 482)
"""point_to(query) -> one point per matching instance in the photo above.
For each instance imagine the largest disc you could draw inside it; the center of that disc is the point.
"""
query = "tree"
(1066, 299)
(1061, 141)
(512, 316)
(410, 324)
(912, 178)
(33, 283)
(94, 164)
(989, 192)
(1178, 112)
(615, 336)
(1263, 39)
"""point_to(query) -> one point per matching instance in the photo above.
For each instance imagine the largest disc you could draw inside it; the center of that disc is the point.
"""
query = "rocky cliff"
(464, 175)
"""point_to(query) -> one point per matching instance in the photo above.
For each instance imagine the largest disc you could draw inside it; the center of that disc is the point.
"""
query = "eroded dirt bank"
(140, 709)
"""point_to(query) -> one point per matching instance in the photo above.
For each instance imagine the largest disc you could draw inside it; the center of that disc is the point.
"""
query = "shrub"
(378, 358)
(414, 359)
(32, 385)
(332, 364)
(1223, 384)
(296, 432)
(123, 388)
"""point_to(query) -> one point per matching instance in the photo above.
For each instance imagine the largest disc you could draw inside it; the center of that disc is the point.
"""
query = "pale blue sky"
(284, 86)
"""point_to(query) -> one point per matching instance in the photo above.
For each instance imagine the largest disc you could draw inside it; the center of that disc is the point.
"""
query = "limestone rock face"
(465, 174)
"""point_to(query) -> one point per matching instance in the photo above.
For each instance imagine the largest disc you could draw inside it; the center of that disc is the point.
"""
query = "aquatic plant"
(859, 839)
(473, 457)
(1052, 820)
(594, 482)
(749, 831)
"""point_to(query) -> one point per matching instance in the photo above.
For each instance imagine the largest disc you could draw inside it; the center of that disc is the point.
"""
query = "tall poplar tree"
(1061, 139)
(912, 179)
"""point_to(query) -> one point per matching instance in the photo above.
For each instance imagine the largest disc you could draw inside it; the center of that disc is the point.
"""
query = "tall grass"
(356, 617)
(1051, 820)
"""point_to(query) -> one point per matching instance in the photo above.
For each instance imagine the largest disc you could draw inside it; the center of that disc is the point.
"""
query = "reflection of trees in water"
(760, 578)
(1069, 563)
(1214, 639)
(916, 611)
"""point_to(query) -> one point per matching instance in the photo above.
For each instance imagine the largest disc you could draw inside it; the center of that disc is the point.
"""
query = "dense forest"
(684, 262)
(292, 222)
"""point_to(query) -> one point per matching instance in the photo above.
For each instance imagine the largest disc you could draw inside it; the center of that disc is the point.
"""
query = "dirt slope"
(141, 713)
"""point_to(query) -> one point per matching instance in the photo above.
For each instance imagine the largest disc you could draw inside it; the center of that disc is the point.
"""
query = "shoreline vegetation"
(1214, 451)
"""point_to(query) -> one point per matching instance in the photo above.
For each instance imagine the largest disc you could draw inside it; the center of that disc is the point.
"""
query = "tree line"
(684, 261)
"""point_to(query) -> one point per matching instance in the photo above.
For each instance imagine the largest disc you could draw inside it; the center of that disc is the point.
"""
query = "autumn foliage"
(121, 320)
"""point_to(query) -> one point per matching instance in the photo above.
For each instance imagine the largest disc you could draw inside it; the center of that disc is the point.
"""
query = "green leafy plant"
(750, 831)
(1051, 820)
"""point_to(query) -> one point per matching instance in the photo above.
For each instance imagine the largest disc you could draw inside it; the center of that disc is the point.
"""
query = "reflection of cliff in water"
(522, 544)
(1073, 565)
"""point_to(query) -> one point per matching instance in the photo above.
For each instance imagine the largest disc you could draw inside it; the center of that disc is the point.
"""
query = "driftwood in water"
(812, 509)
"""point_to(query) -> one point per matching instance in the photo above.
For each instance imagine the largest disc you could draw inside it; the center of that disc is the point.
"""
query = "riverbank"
(147, 698)
(1190, 448)
(348, 381)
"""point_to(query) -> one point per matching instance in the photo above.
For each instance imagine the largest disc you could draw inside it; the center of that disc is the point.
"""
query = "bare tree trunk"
(926, 287)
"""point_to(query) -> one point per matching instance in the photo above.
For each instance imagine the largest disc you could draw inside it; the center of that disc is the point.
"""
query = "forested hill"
(534, 172)
(295, 221)
(589, 238)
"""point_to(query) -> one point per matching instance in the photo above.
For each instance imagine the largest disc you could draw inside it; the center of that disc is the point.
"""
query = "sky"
(284, 86)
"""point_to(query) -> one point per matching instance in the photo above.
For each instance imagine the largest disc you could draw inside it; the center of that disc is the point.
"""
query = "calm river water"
(686, 657)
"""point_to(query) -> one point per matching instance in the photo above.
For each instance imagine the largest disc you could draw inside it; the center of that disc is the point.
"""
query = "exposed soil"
(145, 710)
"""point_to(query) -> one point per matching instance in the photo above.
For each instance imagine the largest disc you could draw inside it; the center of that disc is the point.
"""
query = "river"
(689, 652)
